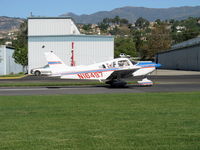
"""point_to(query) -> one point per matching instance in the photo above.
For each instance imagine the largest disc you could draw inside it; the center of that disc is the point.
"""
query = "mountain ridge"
(133, 13)
(10, 24)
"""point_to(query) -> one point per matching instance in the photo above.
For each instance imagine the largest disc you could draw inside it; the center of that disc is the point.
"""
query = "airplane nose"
(158, 65)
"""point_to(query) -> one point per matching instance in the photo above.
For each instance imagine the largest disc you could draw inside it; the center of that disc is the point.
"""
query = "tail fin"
(56, 65)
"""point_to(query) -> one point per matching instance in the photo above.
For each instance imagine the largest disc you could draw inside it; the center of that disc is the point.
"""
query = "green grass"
(13, 75)
(154, 121)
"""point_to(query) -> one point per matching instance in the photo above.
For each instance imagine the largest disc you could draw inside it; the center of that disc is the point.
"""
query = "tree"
(115, 31)
(125, 45)
(2, 41)
(116, 20)
(87, 27)
(124, 21)
(103, 26)
(21, 45)
(140, 39)
(106, 20)
(142, 23)
(190, 29)
(158, 40)
(158, 21)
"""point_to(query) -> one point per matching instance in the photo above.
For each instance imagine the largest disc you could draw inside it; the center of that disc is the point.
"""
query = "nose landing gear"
(145, 82)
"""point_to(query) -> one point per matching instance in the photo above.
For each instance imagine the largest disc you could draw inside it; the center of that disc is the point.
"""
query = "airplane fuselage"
(110, 71)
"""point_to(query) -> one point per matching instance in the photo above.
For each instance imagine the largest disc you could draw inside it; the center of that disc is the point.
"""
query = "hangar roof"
(63, 17)
(190, 42)
(179, 46)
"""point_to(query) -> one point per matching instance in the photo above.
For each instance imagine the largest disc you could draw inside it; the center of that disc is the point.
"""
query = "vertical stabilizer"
(56, 65)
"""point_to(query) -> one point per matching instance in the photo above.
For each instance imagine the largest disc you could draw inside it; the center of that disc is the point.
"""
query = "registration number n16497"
(90, 75)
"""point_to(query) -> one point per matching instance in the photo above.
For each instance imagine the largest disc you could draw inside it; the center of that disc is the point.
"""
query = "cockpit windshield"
(133, 62)
(123, 63)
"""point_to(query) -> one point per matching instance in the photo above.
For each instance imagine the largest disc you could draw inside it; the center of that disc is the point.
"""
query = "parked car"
(41, 71)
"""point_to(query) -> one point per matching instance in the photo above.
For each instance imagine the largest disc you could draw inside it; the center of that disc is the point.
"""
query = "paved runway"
(186, 83)
(99, 90)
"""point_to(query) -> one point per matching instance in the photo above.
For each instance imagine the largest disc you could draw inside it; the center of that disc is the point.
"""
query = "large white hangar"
(61, 35)
(182, 56)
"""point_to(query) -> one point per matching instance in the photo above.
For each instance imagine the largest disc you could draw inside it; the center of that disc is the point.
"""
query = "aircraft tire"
(37, 73)
(118, 84)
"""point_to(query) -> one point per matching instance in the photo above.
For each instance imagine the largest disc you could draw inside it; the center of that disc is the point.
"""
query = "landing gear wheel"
(117, 83)
(37, 73)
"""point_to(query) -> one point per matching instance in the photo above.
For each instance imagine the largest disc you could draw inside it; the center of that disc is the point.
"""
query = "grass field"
(154, 121)
(12, 76)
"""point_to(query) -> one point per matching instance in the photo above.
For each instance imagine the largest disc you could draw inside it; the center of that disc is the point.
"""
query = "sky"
(53, 8)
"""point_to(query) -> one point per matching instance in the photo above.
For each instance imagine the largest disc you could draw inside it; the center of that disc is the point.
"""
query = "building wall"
(2, 60)
(11, 66)
(51, 26)
(185, 58)
(7, 63)
(87, 49)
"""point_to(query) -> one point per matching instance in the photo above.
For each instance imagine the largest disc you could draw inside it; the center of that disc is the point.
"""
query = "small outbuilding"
(7, 62)
(182, 56)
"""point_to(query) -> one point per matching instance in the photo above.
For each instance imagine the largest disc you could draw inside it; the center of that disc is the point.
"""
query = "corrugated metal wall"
(2, 60)
(11, 66)
(185, 58)
(7, 63)
(88, 49)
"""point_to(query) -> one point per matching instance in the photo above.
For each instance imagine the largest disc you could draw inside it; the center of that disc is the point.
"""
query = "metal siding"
(8, 65)
(184, 59)
(88, 49)
(2, 61)
(11, 66)
(51, 27)
(36, 52)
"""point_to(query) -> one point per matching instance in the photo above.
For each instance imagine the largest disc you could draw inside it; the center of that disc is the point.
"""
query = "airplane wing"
(125, 73)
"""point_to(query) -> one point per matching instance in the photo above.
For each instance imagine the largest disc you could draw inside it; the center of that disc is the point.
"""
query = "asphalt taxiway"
(99, 90)
(173, 83)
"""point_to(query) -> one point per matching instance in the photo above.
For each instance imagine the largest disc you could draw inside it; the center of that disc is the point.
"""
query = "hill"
(133, 13)
(9, 24)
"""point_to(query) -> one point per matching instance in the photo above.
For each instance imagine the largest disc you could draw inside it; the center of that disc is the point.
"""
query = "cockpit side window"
(123, 63)
(114, 64)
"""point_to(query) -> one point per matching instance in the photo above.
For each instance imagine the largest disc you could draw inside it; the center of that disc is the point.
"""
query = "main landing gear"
(116, 83)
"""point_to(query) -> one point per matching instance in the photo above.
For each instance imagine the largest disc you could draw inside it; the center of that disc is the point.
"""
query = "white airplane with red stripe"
(111, 72)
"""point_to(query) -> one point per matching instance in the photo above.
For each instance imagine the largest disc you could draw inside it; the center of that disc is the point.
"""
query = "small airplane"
(111, 72)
